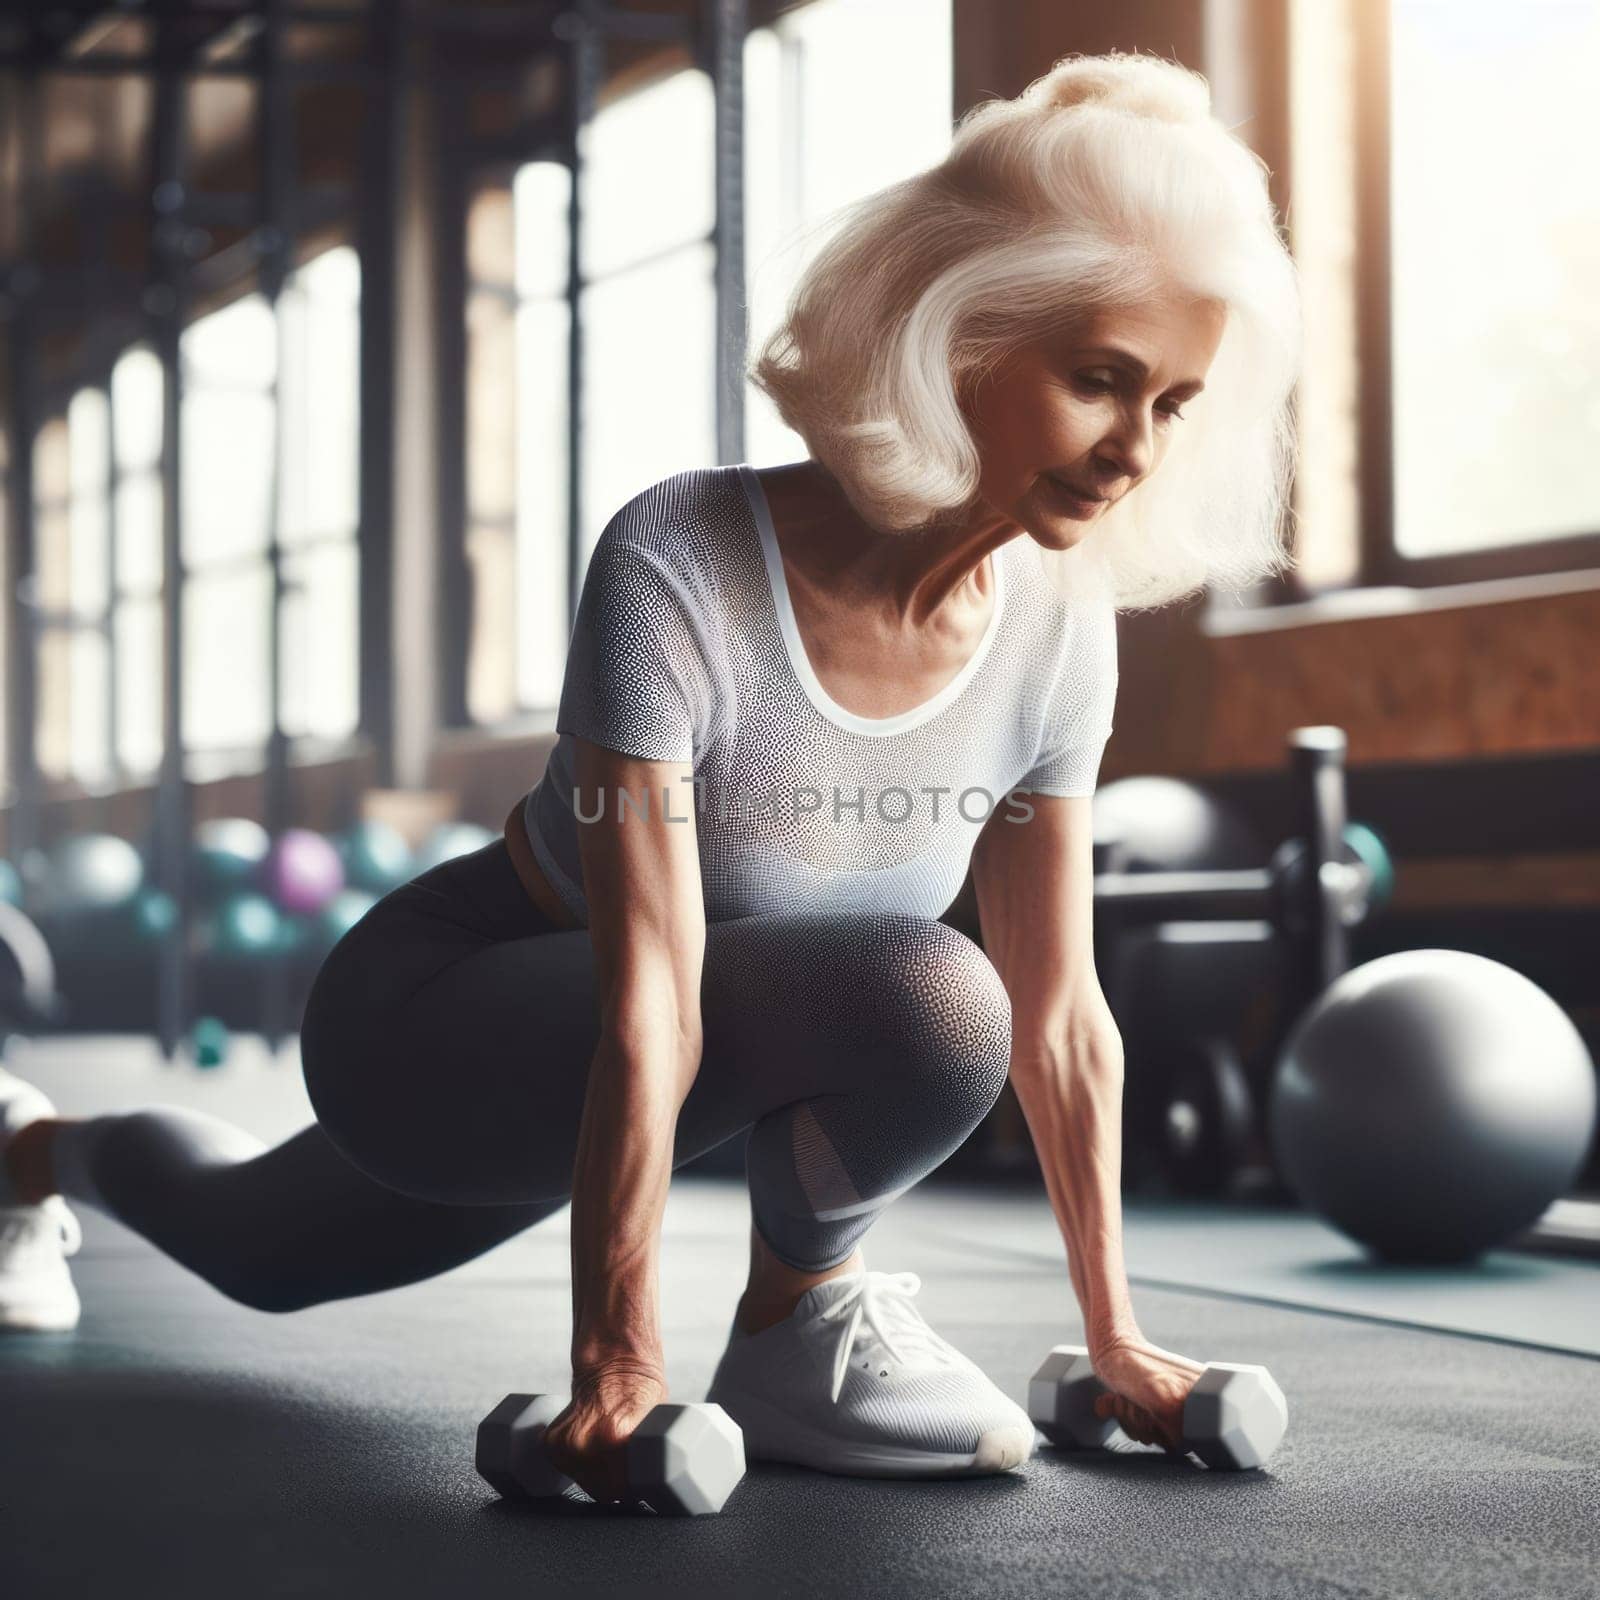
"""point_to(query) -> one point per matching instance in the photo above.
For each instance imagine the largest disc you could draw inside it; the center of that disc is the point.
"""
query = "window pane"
(88, 431)
(321, 398)
(138, 501)
(543, 192)
(319, 641)
(863, 126)
(236, 347)
(53, 729)
(542, 510)
(492, 656)
(52, 550)
(491, 408)
(824, 125)
(227, 473)
(226, 662)
(1325, 239)
(648, 179)
(649, 395)
(136, 391)
(90, 553)
(491, 237)
(332, 279)
(1496, 251)
(89, 446)
(139, 680)
(73, 729)
(52, 488)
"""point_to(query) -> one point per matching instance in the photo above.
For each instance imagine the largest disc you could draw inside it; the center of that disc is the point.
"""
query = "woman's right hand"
(586, 1440)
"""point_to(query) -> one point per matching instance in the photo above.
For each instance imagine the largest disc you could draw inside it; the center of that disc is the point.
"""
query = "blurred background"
(331, 336)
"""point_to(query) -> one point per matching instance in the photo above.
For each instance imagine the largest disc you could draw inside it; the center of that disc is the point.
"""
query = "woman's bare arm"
(1034, 881)
(641, 875)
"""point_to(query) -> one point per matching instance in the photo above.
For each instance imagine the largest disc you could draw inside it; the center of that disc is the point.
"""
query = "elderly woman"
(1039, 382)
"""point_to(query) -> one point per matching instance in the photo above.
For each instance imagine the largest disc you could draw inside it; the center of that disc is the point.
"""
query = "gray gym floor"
(177, 1444)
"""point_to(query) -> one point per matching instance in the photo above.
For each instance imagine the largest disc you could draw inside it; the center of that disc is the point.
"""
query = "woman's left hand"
(1147, 1387)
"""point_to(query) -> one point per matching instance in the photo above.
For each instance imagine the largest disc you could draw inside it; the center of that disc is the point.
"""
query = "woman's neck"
(917, 573)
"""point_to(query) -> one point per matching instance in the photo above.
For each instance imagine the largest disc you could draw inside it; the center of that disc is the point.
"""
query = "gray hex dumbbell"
(1234, 1417)
(682, 1460)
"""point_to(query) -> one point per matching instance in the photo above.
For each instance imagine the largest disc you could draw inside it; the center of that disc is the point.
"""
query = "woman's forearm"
(1073, 1105)
(621, 1175)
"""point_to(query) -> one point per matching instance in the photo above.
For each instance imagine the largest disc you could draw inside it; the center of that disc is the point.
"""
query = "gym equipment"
(1313, 906)
(1361, 849)
(1203, 1112)
(1432, 1104)
(1150, 824)
(28, 996)
(375, 857)
(151, 917)
(245, 927)
(340, 915)
(210, 1041)
(450, 840)
(228, 853)
(1234, 1418)
(301, 872)
(682, 1460)
(1369, 845)
(80, 874)
(1205, 969)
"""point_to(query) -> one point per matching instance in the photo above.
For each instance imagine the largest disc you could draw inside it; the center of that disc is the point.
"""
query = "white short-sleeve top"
(685, 648)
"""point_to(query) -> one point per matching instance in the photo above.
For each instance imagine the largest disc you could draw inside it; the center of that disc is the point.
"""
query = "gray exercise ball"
(1152, 824)
(1432, 1104)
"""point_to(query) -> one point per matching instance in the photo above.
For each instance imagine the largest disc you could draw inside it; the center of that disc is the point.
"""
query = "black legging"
(446, 1045)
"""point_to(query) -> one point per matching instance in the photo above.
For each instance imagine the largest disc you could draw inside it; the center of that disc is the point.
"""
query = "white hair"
(1105, 184)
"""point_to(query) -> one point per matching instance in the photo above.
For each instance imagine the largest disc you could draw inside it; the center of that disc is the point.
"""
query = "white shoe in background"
(36, 1289)
(855, 1381)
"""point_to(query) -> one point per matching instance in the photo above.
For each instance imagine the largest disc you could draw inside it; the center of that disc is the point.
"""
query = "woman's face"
(1090, 412)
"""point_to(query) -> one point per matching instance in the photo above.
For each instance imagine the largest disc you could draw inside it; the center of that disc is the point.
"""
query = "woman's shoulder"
(678, 521)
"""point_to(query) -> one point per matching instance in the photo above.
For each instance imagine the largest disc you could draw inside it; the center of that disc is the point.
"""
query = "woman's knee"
(942, 1007)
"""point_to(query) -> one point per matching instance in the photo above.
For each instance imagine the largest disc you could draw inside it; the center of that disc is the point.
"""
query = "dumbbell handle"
(528, 1471)
(1204, 1431)
(512, 1458)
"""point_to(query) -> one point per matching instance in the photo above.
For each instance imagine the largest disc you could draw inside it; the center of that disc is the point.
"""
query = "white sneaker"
(855, 1381)
(20, 1104)
(36, 1290)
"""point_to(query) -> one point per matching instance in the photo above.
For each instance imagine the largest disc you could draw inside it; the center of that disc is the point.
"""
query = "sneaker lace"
(18, 1223)
(71, 1230)
(879, 1300)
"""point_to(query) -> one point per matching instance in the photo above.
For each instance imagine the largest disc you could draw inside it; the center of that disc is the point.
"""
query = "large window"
(137, 393)
(824, 124)
(270, 447)
(1447, 229)
(1495, 228)
(70, 598)
(268, 464)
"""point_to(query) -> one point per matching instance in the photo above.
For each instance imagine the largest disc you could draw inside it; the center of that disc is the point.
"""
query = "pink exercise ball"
(302, 872)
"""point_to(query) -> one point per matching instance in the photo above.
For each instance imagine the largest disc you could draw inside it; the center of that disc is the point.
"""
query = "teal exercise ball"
(376, 857)
(451, 840)
(335, 920)
(228, 852)
(246, 927)
(1432, 1104)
